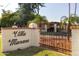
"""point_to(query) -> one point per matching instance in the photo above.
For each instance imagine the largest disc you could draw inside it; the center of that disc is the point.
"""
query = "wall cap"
(74, 27)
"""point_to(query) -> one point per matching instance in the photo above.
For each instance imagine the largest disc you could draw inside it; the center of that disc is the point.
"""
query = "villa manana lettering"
(19, 33)
(15, 42)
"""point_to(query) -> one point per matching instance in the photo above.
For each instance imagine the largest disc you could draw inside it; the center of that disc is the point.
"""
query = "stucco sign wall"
(19, 38)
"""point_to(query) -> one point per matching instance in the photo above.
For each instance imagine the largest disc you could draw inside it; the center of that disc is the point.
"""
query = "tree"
(39, 19)
(27, 11)
(8, 18)
(37, 7)
(72, 19)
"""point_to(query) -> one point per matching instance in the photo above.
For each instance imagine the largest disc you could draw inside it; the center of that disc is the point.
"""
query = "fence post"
(75, 40)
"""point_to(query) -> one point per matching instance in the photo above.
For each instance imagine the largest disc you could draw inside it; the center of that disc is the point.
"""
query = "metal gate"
(58, 43)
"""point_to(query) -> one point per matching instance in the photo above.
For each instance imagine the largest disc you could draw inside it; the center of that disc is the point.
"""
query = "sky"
(52, 11)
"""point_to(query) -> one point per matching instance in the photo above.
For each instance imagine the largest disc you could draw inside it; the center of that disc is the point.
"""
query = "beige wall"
(75, 42)
(31, 34)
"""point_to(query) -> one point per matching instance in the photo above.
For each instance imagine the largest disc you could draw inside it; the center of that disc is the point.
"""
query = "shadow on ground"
(25, 52)
(34, 51)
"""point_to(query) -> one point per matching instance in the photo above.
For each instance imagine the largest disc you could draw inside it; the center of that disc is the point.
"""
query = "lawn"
(31, 51)
(49, 53)
(1, 54)
(0, 44)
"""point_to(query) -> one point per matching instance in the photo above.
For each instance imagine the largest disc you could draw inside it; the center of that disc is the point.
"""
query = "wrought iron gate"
(59, 43)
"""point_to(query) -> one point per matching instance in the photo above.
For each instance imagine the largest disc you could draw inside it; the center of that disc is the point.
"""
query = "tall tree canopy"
(9, 18)
(73, 19)
(39, 19)
(27, 11)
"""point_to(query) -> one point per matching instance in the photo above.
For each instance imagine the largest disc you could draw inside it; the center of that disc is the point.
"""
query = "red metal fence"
(57, 43)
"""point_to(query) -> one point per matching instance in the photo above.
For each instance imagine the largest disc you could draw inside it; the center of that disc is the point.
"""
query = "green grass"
(0, 44)
(49, 53)
(1, 54)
